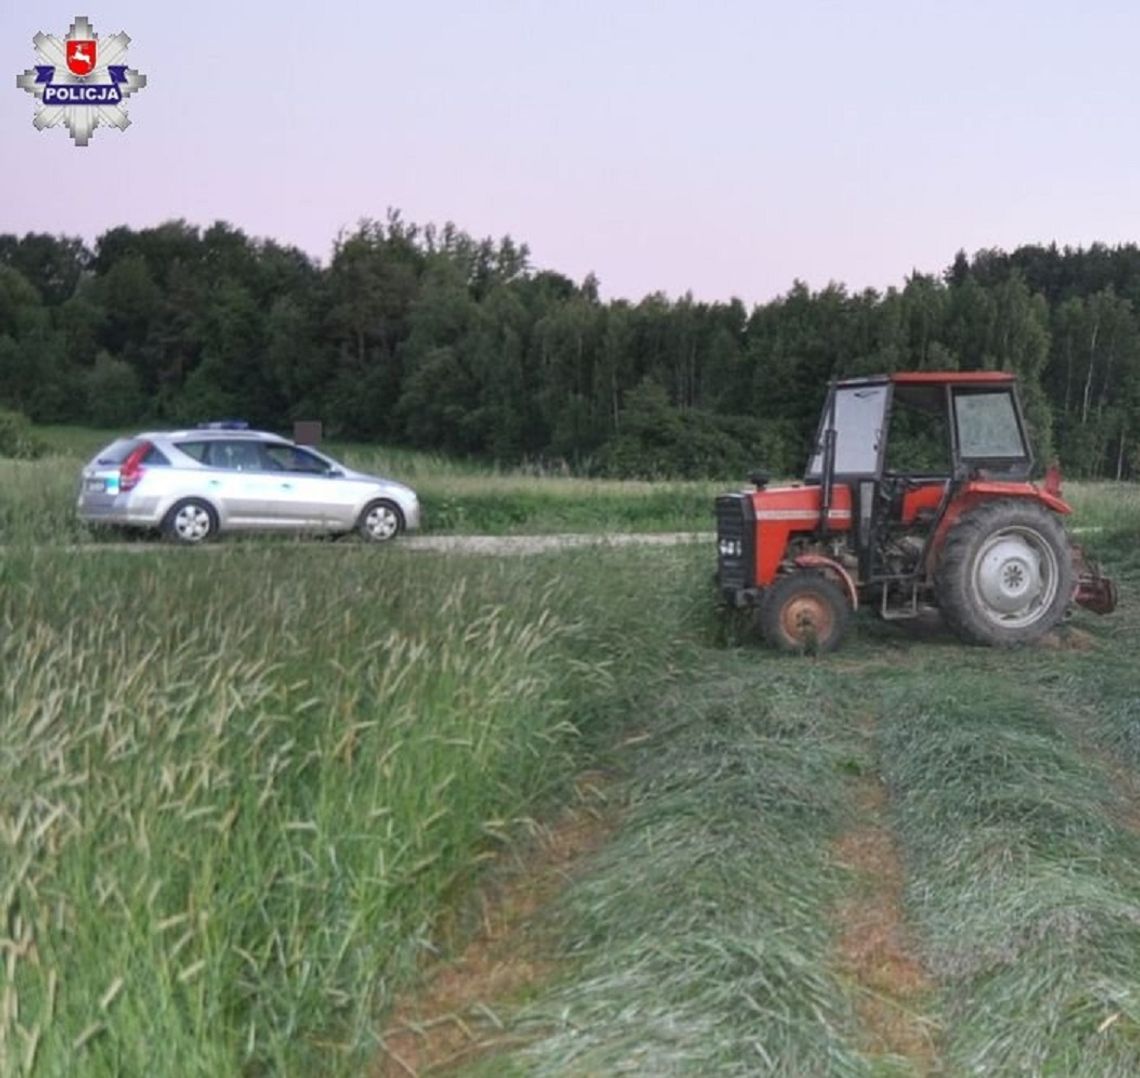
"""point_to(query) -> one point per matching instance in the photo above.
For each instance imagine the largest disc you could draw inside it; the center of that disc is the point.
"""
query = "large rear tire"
(804, 612)
(1005, 576)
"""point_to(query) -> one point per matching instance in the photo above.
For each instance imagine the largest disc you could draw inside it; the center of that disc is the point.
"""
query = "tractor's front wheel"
(804, 611)
(1005, 576)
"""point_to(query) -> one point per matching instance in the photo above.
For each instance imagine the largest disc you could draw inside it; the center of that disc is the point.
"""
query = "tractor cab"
(903, 424)
(899, 442)
(904, 469)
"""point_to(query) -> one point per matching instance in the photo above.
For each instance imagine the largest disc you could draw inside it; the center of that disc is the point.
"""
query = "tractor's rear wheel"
(1005, 576)
(804, 611)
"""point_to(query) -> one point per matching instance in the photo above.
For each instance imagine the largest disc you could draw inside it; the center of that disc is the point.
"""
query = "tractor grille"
(735, 542)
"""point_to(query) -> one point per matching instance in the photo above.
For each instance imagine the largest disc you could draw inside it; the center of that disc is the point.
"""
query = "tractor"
(917, 495)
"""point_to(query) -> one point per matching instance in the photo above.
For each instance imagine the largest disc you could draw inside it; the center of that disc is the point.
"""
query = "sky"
(723, 148)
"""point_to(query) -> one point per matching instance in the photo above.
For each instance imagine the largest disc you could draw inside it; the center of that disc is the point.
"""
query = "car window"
(155, 456)
(197, 450)
(118, 451)
(239, 456)
(291, 458)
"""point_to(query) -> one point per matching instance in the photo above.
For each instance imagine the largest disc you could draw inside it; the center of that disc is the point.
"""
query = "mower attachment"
(1094, 591)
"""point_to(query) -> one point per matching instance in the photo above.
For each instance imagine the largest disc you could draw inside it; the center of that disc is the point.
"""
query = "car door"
(307, 491)
(238, 480)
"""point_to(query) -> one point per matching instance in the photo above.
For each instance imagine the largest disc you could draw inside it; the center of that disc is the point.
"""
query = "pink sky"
(723, 148)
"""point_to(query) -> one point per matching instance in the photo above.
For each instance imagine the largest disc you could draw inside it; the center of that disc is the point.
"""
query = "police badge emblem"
(81, 81)
(81, 57)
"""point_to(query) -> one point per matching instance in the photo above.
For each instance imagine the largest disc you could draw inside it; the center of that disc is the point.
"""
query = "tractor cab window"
(859, 418)
(988, 428)
(919, 440)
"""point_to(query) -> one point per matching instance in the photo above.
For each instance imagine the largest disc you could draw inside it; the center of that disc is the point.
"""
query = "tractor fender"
(975, 493)
(818, 561)
(980, 489)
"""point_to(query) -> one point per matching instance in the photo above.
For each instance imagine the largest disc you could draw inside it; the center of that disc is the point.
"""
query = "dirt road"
(499, 545)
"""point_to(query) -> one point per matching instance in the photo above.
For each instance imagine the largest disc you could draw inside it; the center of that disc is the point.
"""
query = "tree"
(113, 396)
(53, 265)
(434, 338)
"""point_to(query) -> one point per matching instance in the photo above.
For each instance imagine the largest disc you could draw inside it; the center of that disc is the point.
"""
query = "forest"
(426, 337)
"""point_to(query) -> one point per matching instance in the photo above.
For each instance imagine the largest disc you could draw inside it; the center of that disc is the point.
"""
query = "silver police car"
(221, 477)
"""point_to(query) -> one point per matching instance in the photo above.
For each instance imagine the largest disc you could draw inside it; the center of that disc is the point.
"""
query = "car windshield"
(859, 412)
(329, 462)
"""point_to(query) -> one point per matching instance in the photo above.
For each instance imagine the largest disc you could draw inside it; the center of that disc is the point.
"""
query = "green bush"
(16, 437)
(113, 394)
(657, 440)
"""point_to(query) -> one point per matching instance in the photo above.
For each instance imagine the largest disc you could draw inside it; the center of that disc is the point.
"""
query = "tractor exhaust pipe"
(827, 472)
(827, 480)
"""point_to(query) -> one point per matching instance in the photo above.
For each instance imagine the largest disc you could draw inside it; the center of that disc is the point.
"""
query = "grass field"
(913, 857)
(244, 793)
(237, 791)
(458, 497)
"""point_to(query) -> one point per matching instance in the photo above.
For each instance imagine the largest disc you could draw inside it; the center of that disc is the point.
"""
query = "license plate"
(96, 485)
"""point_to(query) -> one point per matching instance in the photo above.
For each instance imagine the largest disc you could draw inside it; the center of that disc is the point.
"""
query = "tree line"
(430, 338)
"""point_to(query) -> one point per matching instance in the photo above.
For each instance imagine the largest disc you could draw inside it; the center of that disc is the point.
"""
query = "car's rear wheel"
(380, 521)
(190, 522)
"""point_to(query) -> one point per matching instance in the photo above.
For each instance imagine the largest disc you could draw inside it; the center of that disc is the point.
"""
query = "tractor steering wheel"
(898, 479)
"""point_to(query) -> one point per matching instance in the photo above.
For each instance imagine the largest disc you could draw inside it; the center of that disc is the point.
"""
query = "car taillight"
(132, 470)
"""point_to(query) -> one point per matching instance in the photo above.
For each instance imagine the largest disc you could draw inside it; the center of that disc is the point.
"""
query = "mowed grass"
(239, 788)
(702, 939)
(710, 936)
(458, 497)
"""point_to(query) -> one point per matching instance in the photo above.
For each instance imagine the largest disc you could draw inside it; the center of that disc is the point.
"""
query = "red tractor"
(917, 494)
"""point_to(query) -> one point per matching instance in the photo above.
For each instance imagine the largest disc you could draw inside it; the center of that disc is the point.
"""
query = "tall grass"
(1108, 508)
(37, 501)
(237, 791)
(464, 496)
